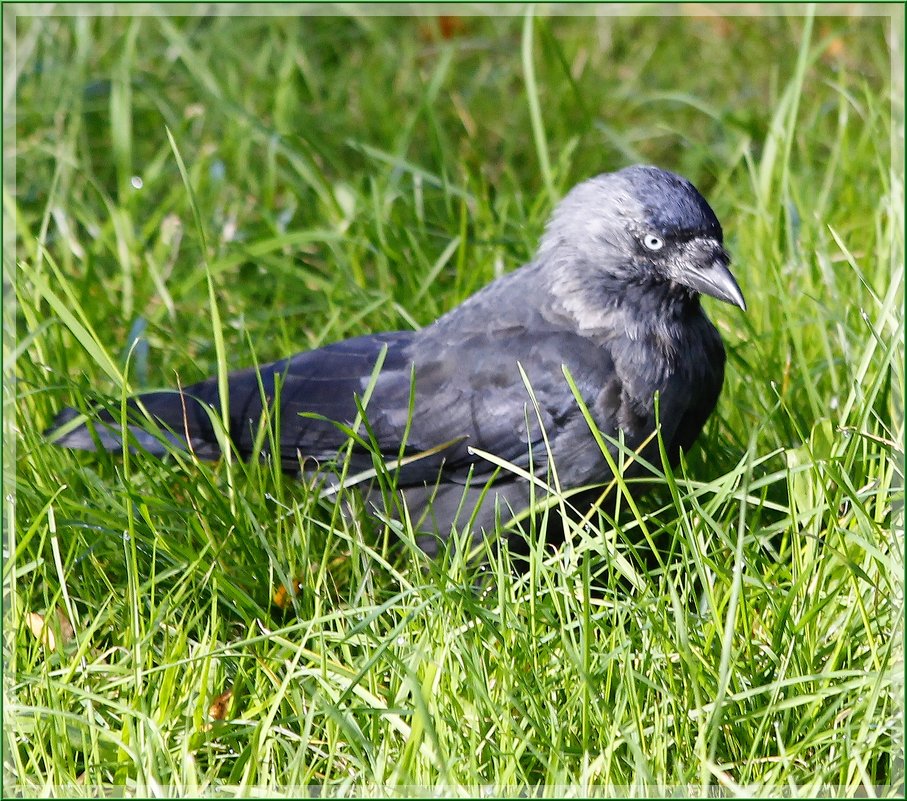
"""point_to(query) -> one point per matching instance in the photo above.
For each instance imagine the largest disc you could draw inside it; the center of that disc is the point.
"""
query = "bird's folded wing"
(423, 406)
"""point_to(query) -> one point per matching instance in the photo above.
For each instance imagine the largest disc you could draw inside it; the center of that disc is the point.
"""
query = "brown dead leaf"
(221, 705)
(43, 630)
(38, 627)
(66, 630)
(836, 48)
(451, 26)
(284, 597)
(447, 28)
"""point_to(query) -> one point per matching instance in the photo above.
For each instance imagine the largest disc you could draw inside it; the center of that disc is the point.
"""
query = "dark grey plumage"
(612, 294)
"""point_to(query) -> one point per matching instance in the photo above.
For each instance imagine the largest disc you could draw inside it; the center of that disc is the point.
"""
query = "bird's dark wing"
(509, 396)
(322, 383)
(470, 393)
(433, 396)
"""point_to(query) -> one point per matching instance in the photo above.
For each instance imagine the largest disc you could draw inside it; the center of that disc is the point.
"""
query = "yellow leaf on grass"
(43, 631)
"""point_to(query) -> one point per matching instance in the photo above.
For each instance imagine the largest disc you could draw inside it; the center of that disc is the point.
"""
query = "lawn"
(176, 626)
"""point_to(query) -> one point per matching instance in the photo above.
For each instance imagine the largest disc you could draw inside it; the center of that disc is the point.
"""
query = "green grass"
(740, 626)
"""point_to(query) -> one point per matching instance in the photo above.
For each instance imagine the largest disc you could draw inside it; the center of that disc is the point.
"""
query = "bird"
(474, 411)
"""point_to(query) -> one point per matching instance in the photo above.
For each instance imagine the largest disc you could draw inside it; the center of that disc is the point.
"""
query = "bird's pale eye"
(653, 242)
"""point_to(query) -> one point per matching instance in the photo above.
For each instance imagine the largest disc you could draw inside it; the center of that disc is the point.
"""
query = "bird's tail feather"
(170, 415)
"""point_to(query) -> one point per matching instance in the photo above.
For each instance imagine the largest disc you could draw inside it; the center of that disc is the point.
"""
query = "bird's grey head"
(641, 227)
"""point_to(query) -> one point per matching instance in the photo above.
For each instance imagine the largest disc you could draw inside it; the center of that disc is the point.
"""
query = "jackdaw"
(612, 295)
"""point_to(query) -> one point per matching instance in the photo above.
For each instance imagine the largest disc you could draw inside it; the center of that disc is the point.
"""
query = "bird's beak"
(712, 277)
